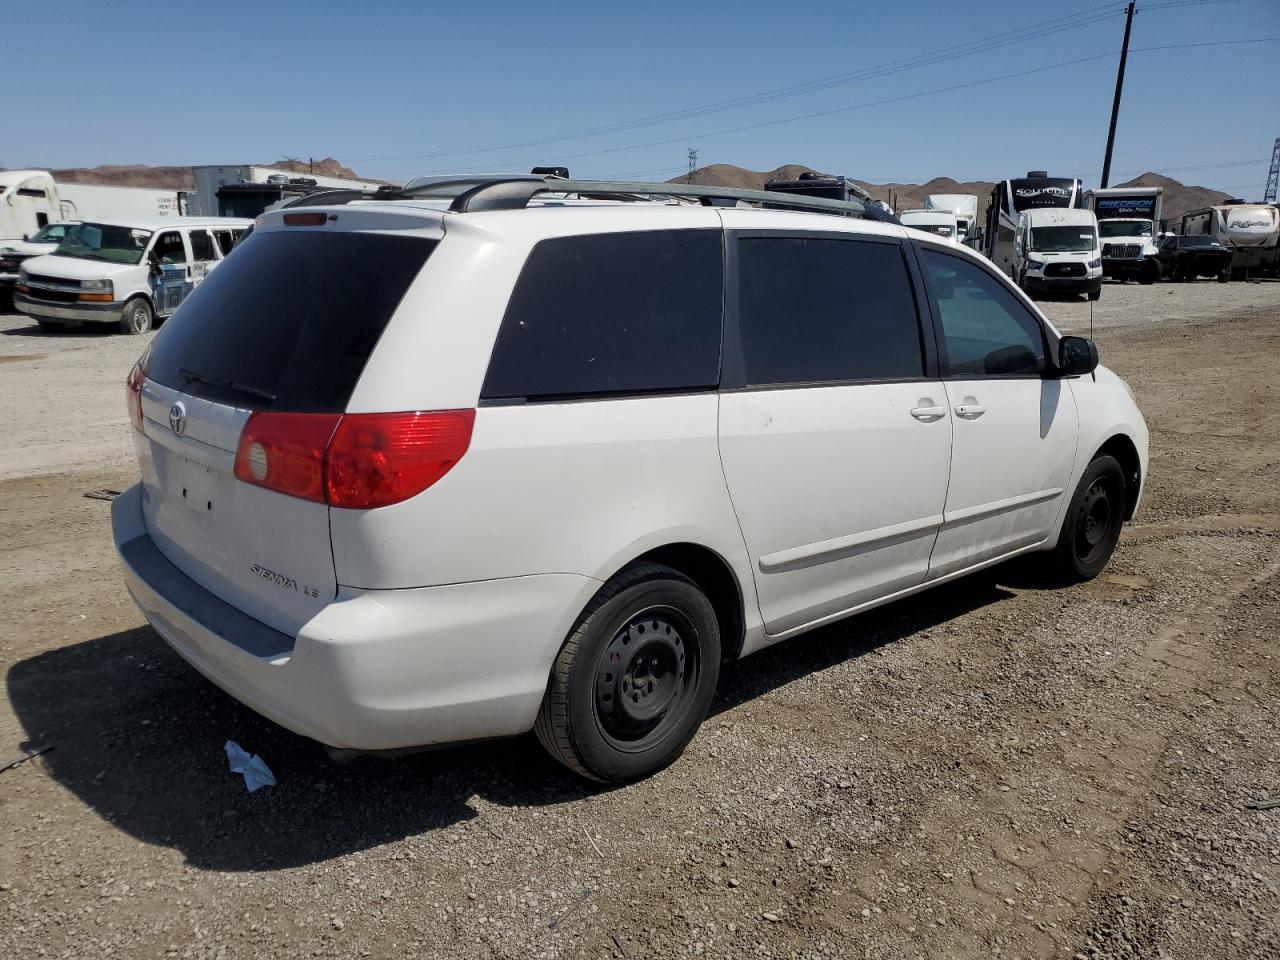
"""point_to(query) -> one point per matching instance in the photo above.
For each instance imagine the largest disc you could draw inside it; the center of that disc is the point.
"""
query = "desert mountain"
(179, 178)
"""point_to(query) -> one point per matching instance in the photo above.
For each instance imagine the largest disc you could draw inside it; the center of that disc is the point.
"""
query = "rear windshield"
(288, 320)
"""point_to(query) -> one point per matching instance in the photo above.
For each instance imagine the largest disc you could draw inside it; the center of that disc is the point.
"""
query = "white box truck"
(1128, 221)
(965, 208)
(246, 190)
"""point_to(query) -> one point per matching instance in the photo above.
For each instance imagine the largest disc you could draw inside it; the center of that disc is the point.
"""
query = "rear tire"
(1091, 527)
(635, 678)
(137, 317)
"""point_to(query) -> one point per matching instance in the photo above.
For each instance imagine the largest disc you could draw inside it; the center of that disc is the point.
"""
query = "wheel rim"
(138, 318)
(646, 678)
(1096, 520)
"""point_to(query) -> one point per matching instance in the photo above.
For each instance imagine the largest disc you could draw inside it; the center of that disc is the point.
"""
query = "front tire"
(635, 678)
(1095, 294)
(137, 317)
(1150, 273)
(1091, 527)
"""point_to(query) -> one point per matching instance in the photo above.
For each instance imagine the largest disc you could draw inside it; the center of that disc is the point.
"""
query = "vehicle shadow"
(86, 331)
(138, 736)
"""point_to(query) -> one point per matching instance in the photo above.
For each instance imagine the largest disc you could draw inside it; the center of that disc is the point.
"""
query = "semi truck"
(31, 202)
(1128, 223)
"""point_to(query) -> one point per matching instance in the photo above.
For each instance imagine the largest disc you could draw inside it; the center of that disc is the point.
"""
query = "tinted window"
(225, 242)
(612, 313)
(169, 249)
(987, 331)
(202, 245)
(292, 316)
(815, 310)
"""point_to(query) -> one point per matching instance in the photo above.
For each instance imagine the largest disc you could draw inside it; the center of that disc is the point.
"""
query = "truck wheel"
(1150, 273)
(634, 679)
(137, 317)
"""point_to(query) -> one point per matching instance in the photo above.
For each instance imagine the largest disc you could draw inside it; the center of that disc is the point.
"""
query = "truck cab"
(1056, 250)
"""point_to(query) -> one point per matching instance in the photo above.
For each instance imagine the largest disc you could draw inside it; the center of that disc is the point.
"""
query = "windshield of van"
(1124, 228)
(1062, 239)
(104, 241)
(53, 233)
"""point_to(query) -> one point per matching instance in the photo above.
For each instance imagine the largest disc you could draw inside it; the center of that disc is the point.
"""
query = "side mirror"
(1077, 356)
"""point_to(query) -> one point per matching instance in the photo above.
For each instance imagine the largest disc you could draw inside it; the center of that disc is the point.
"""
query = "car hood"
(74, 268)
(26, 248)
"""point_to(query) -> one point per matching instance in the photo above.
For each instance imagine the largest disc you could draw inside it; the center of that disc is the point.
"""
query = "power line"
(941, 55)
(889, 100)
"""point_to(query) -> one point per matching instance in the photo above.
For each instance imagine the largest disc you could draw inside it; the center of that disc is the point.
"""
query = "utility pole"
(693, 164)
(1115, 104)
(1273, 175)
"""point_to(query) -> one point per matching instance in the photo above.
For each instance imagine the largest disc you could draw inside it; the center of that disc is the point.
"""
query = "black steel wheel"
(137, 317)
(1091, 528)
(634, 679)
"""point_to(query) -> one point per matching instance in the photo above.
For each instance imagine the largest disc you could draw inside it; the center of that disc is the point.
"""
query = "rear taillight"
(377, 459)
(285, 452)
(356, 461)
(133, 391)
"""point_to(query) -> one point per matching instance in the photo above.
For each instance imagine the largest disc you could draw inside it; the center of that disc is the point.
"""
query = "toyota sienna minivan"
(417, 471)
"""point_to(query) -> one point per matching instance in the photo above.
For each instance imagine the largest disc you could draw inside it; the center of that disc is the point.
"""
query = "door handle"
(929, 414)
(970, 411)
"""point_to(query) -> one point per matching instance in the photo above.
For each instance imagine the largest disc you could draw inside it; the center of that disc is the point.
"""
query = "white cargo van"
(1055, 250)
(124, 272)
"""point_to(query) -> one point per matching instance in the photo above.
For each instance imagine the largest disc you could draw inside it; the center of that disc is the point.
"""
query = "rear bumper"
(375, 669)
(82, 312)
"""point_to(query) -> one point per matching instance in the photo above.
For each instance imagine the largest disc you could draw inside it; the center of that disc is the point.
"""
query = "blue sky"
(398, 89)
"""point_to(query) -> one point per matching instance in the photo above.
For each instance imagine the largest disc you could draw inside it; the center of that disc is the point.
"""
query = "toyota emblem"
(178, 418)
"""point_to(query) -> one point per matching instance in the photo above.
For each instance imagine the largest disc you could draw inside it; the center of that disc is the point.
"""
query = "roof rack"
(515, 193)
(488, 192)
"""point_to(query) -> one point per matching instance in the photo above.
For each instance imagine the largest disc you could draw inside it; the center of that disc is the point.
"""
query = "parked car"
(126, 272)
(14, 253)
(426, 472)
(1185, 257)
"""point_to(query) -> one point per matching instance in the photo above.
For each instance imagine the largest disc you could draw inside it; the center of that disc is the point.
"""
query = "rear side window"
(614, 313)
(202, 245)
(288, 320)
(815, 310)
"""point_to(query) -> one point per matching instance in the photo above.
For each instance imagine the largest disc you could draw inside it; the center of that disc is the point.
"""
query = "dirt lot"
(993, 769)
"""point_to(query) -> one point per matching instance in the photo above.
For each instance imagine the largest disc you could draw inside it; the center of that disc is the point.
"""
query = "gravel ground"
(991, 769)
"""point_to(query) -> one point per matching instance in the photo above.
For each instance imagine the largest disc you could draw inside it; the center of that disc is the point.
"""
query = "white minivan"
(540, 456)
(124, 272)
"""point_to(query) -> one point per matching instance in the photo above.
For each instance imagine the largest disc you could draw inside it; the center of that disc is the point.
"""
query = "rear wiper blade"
(191, 375)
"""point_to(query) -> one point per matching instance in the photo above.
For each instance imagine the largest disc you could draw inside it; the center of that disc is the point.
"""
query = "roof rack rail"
(515, 193)
(472, 194)
(326, 198)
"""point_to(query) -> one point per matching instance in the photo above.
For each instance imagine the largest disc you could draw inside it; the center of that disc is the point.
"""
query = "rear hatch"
(285, 325)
